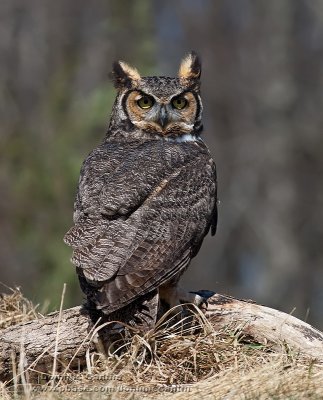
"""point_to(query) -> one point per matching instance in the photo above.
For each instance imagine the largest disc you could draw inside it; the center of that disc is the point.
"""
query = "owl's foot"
(178, 303)
(174, 296)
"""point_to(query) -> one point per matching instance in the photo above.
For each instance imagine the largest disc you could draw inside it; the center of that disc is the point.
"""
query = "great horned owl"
(147, 195)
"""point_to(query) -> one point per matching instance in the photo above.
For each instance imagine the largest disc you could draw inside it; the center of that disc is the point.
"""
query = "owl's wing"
(161, 215)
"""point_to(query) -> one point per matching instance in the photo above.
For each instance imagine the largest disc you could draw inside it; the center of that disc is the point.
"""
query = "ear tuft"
(123, 75)
(190, 67)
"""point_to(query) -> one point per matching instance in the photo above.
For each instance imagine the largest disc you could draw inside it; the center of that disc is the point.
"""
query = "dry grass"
(174, 362)
(15, 308)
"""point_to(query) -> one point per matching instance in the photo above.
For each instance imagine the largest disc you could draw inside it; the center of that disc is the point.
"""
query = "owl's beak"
(163, 117)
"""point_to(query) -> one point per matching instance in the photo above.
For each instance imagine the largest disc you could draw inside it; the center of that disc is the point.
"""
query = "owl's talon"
(201, 303)
(202, 297)
(175, 296)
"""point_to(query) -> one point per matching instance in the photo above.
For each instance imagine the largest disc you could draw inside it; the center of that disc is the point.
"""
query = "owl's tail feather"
(100, 248)
(83, 234)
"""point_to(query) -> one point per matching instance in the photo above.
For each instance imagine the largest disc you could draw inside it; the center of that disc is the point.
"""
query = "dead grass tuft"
(176, 355)
(15, 308)
(4, 394)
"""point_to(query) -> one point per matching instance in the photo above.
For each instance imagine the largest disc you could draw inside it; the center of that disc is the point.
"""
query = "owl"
(147, 195)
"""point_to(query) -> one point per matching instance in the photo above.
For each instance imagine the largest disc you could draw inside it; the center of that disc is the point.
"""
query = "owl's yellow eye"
(145, 102)
(179, 103)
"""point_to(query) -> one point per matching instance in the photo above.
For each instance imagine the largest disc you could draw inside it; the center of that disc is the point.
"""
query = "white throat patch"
(183, 138)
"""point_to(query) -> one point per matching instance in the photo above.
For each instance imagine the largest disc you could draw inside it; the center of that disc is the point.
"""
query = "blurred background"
(262, 89)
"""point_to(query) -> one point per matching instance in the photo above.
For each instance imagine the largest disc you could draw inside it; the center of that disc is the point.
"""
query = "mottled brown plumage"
(147, 194)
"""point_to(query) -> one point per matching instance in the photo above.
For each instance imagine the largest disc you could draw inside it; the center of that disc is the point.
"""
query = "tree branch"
(32, 344)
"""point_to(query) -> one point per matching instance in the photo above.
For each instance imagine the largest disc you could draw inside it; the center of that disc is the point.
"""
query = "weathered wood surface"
(32, 345)
(266, 325)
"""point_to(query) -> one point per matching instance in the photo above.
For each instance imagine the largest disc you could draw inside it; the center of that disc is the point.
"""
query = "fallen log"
(69, 337)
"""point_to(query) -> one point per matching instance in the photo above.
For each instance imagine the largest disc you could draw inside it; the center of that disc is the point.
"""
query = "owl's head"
(158, 105)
